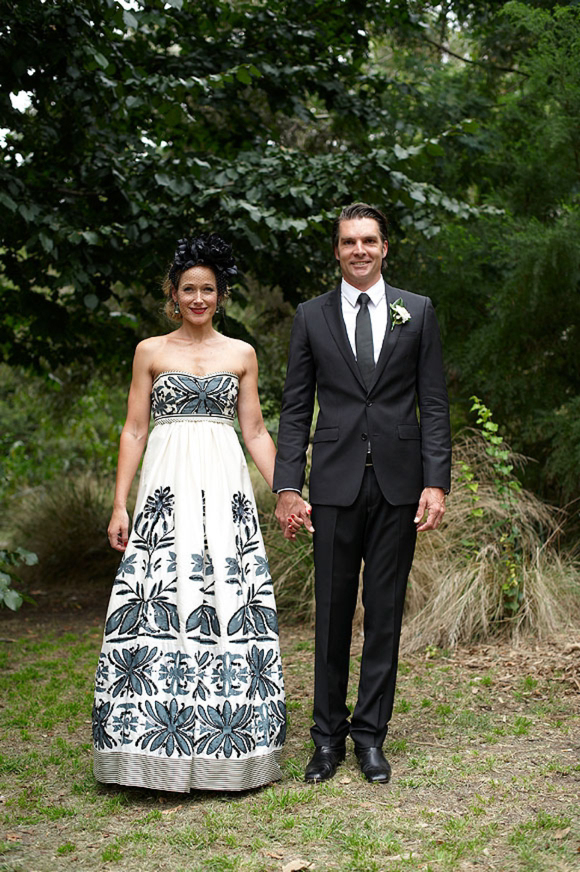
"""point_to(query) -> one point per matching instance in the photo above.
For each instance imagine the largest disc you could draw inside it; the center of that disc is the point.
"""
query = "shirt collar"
(375, 293)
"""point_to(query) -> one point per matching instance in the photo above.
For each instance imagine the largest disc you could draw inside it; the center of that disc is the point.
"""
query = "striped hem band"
(181, 776)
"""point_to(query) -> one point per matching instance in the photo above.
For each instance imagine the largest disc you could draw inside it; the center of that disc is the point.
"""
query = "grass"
(490, 550)
(481, 749)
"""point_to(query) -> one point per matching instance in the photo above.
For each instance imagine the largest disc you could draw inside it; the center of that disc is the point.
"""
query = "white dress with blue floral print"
(189, 689)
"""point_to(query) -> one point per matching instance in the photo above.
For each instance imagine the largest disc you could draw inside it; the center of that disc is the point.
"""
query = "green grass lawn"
(483, 744)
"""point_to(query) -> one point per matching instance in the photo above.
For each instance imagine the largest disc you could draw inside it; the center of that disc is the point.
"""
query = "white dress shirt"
(378, 311)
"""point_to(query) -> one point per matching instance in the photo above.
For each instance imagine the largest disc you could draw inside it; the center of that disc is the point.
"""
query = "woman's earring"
(176, 308)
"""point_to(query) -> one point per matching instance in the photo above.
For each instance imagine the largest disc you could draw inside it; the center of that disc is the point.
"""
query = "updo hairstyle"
(208, 249)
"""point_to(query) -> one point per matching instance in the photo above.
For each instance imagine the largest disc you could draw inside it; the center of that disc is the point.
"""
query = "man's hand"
(291, 513)
(433, 502)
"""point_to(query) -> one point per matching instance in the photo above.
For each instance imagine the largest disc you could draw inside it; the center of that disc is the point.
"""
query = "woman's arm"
(133, 439)
(256, 438)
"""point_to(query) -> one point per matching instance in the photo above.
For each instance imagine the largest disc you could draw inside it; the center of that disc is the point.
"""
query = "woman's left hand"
(294, 524)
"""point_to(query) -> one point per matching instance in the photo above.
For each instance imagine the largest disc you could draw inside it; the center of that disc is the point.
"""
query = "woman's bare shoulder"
(147, 351)
(243, 353)
(152, 343)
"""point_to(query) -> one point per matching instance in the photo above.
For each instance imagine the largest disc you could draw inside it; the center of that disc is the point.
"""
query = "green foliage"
(8, 560)
(507, 489)
(507, 284)
(66, 848)
(52, 428)
(257, 119)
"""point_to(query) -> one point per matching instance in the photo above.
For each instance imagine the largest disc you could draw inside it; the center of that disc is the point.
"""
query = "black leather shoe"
(373, 764)
(324, 763)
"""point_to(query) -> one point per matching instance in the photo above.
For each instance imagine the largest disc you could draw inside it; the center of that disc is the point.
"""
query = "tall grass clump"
(493, 568)
(291, 563)
(65, 524)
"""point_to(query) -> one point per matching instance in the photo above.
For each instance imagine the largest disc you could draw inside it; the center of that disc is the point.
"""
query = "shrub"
(491, 569)
(65, 524)
(9, 596)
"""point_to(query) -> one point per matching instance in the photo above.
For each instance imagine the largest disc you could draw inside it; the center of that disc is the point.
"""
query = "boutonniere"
(399, 315)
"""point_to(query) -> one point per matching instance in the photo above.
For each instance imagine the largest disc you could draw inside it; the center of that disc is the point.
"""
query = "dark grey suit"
(361, 512)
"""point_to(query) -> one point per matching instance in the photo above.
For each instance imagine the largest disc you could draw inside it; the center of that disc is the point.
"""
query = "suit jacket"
(404, 412)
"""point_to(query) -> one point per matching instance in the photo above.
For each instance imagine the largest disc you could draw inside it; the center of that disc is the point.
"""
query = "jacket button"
(364, 437)
(369, 402)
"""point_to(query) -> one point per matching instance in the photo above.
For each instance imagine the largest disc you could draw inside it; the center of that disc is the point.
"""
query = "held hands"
(292, 512)
(118, 530)
(432, 501)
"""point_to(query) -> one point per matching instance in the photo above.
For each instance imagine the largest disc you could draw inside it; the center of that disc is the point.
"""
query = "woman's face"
(197, 294)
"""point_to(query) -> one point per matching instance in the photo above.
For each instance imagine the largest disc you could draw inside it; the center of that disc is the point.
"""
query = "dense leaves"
(148, 122)
(508, 285)
(151, 120)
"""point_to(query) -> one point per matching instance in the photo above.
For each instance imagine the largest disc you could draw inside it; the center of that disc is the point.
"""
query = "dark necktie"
(363, 338)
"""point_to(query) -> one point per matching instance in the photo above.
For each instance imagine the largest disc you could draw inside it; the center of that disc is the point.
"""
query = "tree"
(507, 282)
(259, 120)
(256, 119)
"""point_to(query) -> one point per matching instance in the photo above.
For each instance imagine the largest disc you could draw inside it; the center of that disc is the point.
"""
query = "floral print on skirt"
(189, 691)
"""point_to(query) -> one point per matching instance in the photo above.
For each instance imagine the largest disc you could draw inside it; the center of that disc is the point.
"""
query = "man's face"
(360, 252)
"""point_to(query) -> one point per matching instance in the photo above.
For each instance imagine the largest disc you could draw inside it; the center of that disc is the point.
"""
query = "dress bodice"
(181, 396)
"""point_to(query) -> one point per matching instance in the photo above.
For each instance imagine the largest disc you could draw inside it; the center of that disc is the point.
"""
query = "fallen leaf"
(570, 648)
(345, 780)
(15, 837)
(561, 834)
(171, 810)
(296, 866)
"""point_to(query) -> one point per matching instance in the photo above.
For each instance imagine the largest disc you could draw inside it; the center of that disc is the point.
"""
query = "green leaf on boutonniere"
(399, 314)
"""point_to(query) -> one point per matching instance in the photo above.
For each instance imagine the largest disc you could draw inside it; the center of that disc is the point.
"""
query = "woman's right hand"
(118, 530)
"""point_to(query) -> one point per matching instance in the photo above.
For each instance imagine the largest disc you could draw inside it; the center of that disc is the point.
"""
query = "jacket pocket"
(325, 434)
(409, 431)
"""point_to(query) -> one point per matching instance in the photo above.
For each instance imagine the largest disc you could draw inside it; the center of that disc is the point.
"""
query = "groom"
(381, 458)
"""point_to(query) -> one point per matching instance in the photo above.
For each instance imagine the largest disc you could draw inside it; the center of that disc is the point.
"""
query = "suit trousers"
(383, 536)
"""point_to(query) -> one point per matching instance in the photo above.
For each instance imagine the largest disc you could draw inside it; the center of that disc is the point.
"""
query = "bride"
(189, 690)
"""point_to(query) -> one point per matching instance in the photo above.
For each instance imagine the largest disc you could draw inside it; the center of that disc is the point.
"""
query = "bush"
(65, 524)
(491, 569)
(9, 596)
(68, 424)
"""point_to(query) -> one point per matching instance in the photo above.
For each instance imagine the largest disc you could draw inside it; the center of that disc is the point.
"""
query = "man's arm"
(435, 426)
(294, 429)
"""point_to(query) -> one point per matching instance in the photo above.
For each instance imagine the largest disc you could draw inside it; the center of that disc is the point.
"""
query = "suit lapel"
(390, 340)
(333, 314)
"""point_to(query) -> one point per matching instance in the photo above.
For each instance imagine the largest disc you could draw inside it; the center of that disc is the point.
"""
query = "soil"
(528, 773)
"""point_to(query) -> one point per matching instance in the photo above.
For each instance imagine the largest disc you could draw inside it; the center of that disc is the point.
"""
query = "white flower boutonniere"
(399, 315)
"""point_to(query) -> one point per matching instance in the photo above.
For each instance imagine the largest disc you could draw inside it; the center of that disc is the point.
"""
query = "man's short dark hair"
(360, 210)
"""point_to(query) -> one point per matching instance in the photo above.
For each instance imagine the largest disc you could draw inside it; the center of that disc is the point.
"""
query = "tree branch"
(444, 48)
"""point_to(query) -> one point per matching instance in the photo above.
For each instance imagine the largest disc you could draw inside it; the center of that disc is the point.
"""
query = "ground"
(483, 744)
